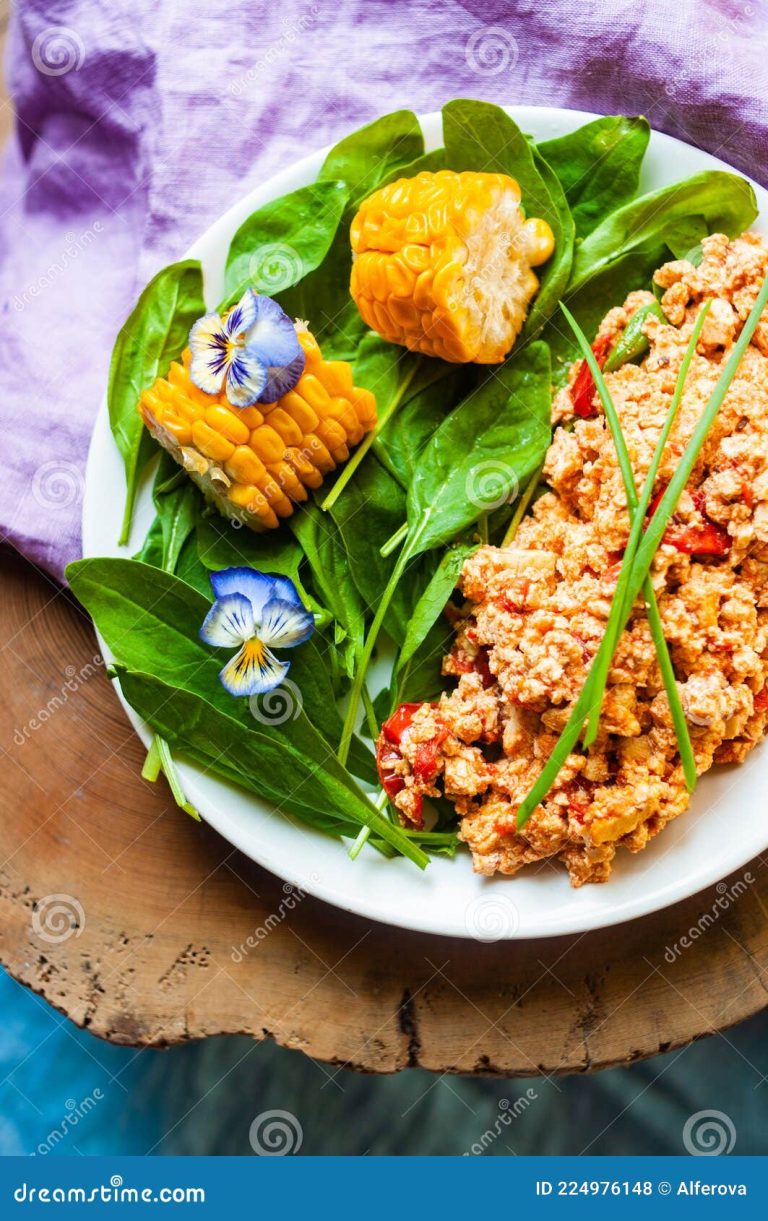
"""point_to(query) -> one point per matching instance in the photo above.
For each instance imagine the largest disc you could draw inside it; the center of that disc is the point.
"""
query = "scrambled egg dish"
(534, 612)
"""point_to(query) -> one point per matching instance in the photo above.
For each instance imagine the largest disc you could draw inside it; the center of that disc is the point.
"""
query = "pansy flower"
(254, 349)
(252, 612)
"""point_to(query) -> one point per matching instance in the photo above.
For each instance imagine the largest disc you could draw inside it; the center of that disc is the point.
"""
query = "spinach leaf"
(432, 602)
(420, 678)
(177, 502)
(222, 545)
(154, 334)
(191, 569)
(598, 166)
(429, 635)
(322, 546)
(374, 154)
(284, 240)
(364, 160)
(150, 620)
(368, 512)
(299, 776)
(725, 201)
(480, 136)
(483, 450)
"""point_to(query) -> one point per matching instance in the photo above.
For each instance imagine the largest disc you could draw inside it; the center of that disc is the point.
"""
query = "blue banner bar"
(373, 1187)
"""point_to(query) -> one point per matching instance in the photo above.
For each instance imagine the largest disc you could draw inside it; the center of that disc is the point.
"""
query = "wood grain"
(166, 903)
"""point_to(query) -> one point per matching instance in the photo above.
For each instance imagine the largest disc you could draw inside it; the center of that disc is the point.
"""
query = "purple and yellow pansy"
(252, 612)
(253, 351)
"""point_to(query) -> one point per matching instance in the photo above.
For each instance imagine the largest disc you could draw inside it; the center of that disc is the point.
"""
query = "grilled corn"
(256, 463)
(442, 264)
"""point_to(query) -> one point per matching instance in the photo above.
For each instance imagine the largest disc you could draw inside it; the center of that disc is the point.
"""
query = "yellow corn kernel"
(342, 411)
(244, 467)
(211, 443)
(300, 411)
(318, 453)
(251, 416)
(276, 496)
(179, 429)
(314, 392)
(336, 377)
(309, 475)
(267, 443)
(222, 420)
(442, 263)
(540, 240)
(331, 433)
(248, 497)
(289, 481)
(284, 426)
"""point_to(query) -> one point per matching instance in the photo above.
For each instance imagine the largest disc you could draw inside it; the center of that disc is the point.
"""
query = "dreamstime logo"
(74, 681)
(275, 266)
(74, 245)
(726, 896)
(508, 1112)
(491, 484)
(56, 918)
(277, 50)
(707, 56)
(275, 1134)
(709, 1134)
(57, 484)
(283, 703)
(292, 897)
(491, 50)
(75, 1112)
(58, 50)
(491, 918)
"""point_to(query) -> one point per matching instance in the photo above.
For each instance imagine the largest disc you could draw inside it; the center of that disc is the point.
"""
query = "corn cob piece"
(442, 263)
(256, 463)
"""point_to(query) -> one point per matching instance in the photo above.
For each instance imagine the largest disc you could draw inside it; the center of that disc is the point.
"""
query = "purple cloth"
(141, 121)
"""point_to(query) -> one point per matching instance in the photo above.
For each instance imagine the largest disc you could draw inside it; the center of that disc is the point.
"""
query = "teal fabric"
(203, 1098)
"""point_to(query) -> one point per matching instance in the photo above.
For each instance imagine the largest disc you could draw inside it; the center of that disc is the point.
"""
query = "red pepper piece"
(425, 762)
(761, 700)
(464, 664)
(388, 755)
(394, 728)
(707, 539)
(583, 389)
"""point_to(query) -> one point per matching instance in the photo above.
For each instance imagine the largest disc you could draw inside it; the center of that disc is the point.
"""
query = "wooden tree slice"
(134, 920)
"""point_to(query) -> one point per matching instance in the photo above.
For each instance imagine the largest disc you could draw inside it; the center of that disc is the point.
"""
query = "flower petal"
(246, 378)
(284, 624)
(229, 622)
(256, 586)
(253, 670)
(210, 347)
(242, 315)
(281, 379)
(272, 335)
(285, 589)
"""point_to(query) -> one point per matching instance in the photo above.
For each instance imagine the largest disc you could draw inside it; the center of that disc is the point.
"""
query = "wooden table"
(127, 916)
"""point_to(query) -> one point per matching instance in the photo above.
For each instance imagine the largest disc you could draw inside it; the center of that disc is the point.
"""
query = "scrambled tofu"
(535, 612)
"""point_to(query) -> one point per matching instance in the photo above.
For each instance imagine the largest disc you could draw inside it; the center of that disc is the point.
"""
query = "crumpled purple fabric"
(141, 121)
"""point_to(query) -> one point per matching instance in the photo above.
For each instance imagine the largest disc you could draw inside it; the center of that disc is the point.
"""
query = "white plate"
(723, 830)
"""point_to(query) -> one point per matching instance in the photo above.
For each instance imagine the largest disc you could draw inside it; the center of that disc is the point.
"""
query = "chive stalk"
(637, 510)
